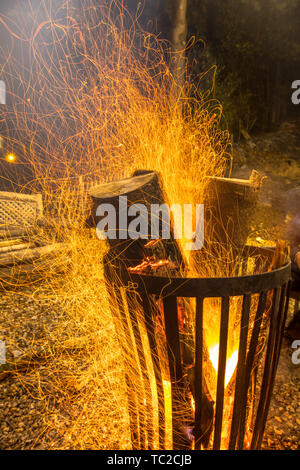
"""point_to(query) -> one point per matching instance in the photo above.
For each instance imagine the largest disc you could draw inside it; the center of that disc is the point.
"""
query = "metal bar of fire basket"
(285, 312)
(198, 372)
(249, 364)
(240, 375)
(147, 398)
(277, 346)
(150, 327)
(221, 372)
(175, 367)
(268, 369)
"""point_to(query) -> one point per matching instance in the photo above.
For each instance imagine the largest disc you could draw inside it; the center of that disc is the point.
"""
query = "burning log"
(207, 409)
(229, 208)
(231, 204)
(132, 201)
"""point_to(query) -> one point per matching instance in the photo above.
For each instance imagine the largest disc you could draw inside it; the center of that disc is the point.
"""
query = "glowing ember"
(231, 362)
(148, 263)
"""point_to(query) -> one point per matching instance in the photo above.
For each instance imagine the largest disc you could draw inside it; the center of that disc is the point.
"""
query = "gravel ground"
(283, 425)
(277, 155)
(21, 417)
(26, 323)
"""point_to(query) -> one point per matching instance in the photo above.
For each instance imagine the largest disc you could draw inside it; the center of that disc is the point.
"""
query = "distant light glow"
(11, 158)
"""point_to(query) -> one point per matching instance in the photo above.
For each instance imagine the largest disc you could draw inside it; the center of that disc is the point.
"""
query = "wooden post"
(179, 31)
(229, 209)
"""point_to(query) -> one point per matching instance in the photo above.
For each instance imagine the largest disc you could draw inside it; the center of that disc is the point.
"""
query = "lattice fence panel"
(19, 210)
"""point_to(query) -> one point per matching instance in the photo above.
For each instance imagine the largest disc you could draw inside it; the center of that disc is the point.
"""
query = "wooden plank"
(37, 198)
(30, 254)
(10, 242)
(16, 247)
(13, 232)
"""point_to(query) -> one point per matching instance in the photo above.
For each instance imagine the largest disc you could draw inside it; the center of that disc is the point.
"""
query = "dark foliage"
(255, 45)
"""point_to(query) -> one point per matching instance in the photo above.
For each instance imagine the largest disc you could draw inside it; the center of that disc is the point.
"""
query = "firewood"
(29, 254)
(229, 207)
(8, 233)
(145, 187)
(5, 243)
(281, 255)
(207, 406)
(16, 247)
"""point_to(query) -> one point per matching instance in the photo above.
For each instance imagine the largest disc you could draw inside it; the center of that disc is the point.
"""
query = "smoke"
(292, 206)
(292, 201)
(293, 231)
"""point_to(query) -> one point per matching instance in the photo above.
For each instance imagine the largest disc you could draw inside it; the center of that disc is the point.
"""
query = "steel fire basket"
(231, 416)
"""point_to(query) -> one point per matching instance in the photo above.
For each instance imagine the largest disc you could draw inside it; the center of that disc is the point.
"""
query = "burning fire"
(102, 108)
(149, 264)
(231, 362)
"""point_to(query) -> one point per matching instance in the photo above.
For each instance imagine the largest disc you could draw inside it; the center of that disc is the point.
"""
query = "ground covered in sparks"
(34, 405)
(27, 418)
(36, 410)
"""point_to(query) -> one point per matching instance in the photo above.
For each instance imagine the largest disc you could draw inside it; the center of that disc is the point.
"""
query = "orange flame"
(231, 362)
